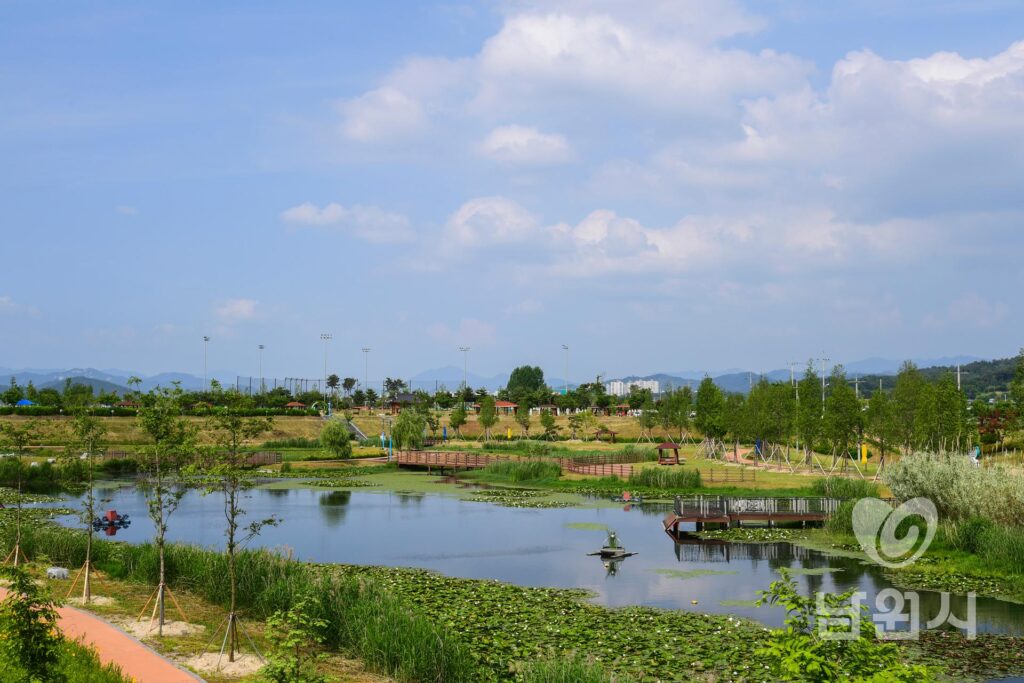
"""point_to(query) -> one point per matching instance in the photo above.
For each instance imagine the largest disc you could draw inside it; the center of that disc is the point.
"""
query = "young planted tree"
(809, 409)
(488, 416)
(18, 436)
(457, 418)
(648, 418)
(575, 423)
(906, 396)
(230, 431)
(1017, 389)
(172, 439)
(842, 415)
(87, 434)
(335, 437)
(710, 408)
(881, 422)
(547, 421)
(523, 420)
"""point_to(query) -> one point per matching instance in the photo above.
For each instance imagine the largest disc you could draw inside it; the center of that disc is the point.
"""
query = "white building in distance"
(617, 387)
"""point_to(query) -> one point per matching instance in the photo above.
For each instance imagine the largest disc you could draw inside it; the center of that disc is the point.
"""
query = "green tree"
(809, 408)
(1017, 389)
(336, 438)
(547, 421)
(348, 384)
(881, 420)
(407, 431)
(296, 639)
(457, 418)
(843, 418)
(906, 396)
(648, 417)
(524, 383)
(87, 434)
(523, 419)
(371, 397)
(230, 430)
(18, 437)
(171, 440)
(333, 382)
(675, 410)
(29, 637)
(13, 393)
(575, 423)
(392, 387)
(488, 415)
(710, 408)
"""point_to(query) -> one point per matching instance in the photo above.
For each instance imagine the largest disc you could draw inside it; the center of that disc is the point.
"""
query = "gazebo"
(604, 431)
(668, 453)
(294, 404)
(622, 409)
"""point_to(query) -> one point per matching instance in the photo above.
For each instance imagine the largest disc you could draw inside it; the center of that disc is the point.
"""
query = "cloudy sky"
(661, 185)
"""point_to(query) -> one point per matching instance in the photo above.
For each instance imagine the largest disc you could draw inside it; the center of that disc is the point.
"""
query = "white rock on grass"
(214, 662)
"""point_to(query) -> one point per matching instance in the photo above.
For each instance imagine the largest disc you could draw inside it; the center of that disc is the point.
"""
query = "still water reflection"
(535, 547)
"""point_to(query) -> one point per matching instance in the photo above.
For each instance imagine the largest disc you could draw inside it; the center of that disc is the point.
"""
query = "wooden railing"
(721, 506)
(716, 475)
(621, 470)
(446, 459)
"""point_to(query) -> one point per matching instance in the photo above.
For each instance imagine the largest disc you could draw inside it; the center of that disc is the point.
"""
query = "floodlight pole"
(566, 349)
(366, 368)
(206, 349)
(465, 365)
(261, 347)
(823, 361)
(326, 337)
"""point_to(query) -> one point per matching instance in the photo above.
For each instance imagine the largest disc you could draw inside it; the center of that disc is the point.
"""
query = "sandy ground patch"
(143, 629)
(98, 600)
(244, 664)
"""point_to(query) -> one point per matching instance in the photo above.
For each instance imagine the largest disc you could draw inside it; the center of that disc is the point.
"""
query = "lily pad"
(692, 573)
(812, 571)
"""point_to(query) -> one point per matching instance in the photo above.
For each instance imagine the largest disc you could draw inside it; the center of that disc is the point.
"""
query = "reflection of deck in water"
(701, 510)
(693, 549)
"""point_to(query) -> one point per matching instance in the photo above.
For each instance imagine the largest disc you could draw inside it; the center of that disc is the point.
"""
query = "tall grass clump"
(664, 478)
(295, 442)
(844, 487)
(523, 470)
(841, 521)
(999, 546)
(362, 618)
(959, 489)
(565, 670)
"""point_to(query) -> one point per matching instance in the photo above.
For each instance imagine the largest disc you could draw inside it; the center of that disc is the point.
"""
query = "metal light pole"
(206, 349)
(261, 347)
(325, 337)
(366, 371)
(465, 365)
(566, 349)
(823, 361)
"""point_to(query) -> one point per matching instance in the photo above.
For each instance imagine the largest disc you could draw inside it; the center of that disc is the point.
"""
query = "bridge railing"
(723, 506)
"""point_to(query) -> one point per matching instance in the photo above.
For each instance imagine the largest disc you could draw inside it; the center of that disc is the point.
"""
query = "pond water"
(534, 547)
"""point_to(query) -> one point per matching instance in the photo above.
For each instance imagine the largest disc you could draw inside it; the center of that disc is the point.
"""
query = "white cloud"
(487, 221)
(383, 114)
(369, 223)
(236, 310)
(524, 145)
(126, 210)
(970, 310)
(7, 304)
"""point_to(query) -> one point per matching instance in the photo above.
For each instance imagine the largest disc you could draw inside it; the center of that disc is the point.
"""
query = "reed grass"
(520, 471)
(665, 478)
(362, 618)
(844, 487)
(565, 670)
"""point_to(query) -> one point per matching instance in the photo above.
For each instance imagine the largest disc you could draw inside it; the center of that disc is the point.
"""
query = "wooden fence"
(622, 470)
(714, 474)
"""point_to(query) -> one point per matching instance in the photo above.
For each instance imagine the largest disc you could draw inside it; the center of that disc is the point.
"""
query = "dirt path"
(114, 646)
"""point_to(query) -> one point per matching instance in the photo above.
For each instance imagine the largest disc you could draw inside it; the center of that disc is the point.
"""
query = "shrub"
(335, 437)
(959, 489)
(844, 487)
(119, 466)
(841, 521)
(292, 442)
(524, 470)
(666, 478)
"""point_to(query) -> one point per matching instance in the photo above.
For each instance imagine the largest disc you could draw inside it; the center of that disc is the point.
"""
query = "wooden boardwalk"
(701, 510)
(462, 460)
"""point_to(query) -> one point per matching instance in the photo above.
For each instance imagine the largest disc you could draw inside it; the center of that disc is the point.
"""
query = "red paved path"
(114, 646)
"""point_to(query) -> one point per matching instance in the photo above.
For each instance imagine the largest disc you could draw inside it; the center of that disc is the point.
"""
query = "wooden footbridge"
(463, 460)
(728, 511)
(694, 549)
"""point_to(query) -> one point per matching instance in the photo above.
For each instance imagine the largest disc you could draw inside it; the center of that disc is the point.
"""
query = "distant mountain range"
(451, 376)
(99, 380)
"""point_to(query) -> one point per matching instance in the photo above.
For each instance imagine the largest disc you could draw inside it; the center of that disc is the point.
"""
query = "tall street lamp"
(326, 337)
(261, 347)
(366, 368)
(566, 349)
(206, 349)
(465, 365)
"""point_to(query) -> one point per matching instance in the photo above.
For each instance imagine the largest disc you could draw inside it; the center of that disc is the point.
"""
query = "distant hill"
(98, 385)
(979, 378)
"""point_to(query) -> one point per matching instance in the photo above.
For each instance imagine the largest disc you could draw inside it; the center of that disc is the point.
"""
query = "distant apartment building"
(618, 387)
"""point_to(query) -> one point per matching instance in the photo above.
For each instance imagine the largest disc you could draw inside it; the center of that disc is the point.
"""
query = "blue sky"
(662, 186)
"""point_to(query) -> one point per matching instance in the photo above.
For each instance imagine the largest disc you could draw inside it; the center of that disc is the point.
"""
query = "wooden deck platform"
(727, 511)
